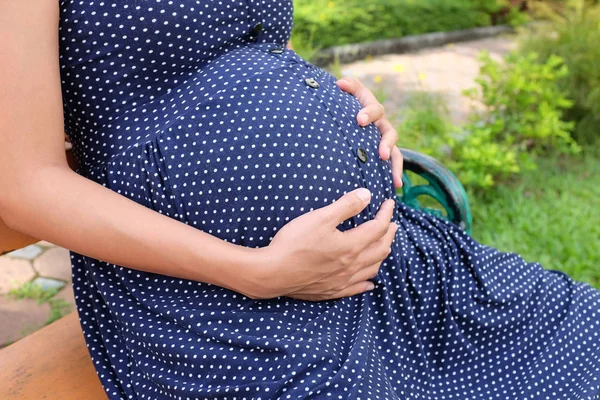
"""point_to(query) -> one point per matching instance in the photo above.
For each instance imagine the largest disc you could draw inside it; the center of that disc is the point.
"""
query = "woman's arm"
(41, 196)
(10, 239)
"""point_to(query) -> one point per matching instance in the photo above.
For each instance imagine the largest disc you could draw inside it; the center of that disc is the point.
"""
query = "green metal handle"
(442, 185)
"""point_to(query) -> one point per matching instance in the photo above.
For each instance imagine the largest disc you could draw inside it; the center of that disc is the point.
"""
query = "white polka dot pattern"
(194, 109)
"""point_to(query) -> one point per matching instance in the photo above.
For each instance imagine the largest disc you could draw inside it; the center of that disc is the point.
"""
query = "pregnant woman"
(229, 213)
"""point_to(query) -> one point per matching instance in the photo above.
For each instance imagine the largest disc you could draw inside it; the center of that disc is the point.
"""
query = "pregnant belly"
(269, 138)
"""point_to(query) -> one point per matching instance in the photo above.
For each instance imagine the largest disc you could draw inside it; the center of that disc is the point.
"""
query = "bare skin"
(42, 197)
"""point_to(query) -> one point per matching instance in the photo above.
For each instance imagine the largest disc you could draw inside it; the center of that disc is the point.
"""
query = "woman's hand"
(374, 112)
(310, 259)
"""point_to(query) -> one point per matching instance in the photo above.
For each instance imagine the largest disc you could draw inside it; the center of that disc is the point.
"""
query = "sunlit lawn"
(551, 216)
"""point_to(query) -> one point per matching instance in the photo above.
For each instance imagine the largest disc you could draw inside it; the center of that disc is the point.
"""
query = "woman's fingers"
(357, 89)
(388, 149)
(389, 138)
(370, 232)
(370, 113)
(365, 274)
(359, 283)
(397, 166)
(374, 112)
(351, 290)
(347, 206)
(368, 262)
(379, 250)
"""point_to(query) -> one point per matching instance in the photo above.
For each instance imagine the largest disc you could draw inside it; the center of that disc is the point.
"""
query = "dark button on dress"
(255, 32)
(363, 155)
(173, 105)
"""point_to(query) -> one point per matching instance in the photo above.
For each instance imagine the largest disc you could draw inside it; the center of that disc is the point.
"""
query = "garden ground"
(446, 71)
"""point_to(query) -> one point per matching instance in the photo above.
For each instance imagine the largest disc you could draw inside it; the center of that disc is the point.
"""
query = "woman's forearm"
(60, 206)
(42, 197)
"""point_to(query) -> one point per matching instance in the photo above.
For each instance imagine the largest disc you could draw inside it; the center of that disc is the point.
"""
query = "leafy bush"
(478, 160)
(327, 23)
(574, 35)
(471, 155)
(524, 105)
(522, 119)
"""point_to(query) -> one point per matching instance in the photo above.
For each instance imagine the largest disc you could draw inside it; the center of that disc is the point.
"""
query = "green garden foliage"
(522, 119)
(573, 33)
(524, 105)
(473, 156)
(326, 23)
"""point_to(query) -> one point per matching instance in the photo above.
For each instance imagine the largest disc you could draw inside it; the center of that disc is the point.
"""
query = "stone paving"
(445, 70)
(41, 265)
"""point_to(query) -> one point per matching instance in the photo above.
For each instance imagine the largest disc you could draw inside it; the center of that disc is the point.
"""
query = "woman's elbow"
(9, 208)
(17, 196)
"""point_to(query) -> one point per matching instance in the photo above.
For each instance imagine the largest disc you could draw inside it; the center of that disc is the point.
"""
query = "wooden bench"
(54, 363)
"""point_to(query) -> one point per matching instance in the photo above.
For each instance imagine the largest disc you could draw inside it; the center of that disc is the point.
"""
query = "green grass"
(58, 309)
(550, 216)
(34, 292)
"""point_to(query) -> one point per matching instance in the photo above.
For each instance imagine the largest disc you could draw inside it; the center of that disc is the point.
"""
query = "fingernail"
(370, 286)
(400, 182)
(364, 194)
(363, 118)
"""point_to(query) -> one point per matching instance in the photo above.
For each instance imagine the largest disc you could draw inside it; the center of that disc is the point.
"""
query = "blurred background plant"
(326, 23)
(572, 31)
(521, 119)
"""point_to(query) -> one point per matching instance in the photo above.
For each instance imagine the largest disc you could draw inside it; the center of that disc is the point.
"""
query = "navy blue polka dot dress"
(194, 109)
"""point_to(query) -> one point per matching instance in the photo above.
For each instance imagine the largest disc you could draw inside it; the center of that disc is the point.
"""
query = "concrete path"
(446, 70)
(31, 273)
